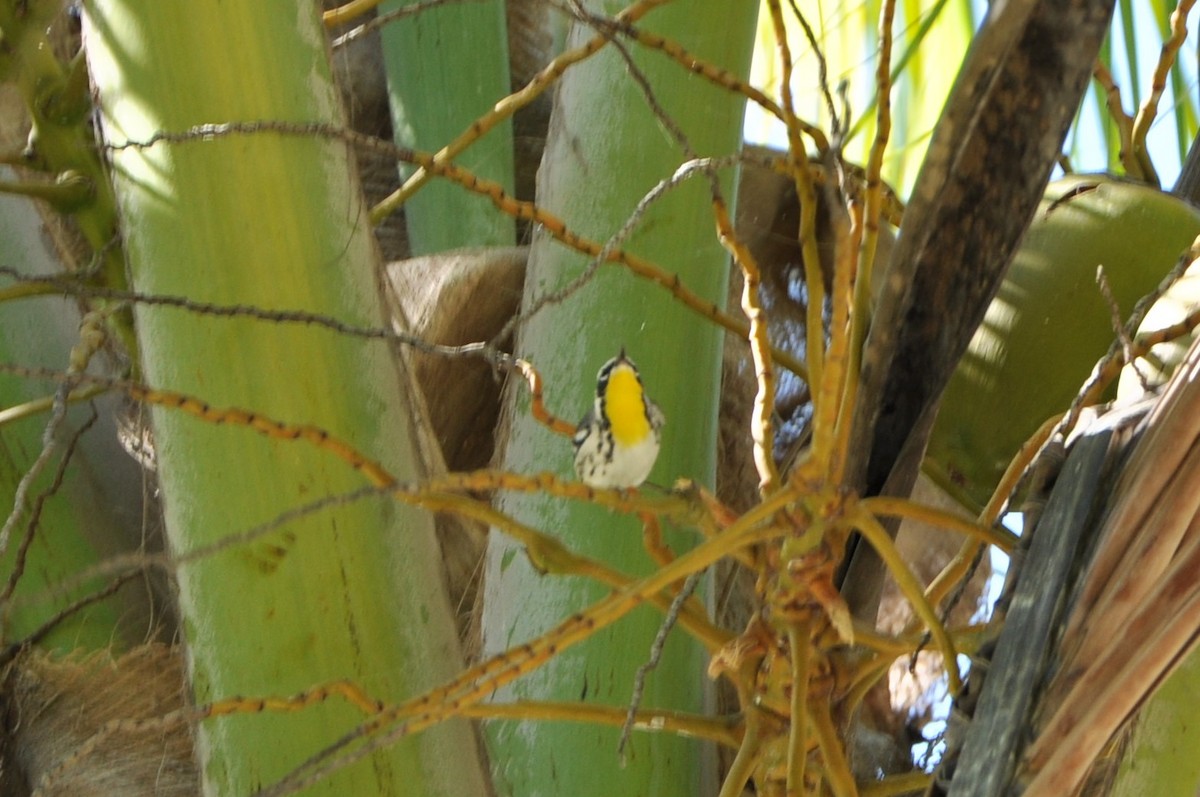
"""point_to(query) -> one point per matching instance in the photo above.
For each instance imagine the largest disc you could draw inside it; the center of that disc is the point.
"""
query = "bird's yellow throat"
(626, 407)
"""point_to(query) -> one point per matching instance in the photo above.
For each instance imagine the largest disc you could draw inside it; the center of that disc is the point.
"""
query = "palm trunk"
(353, 592)
(606, 150)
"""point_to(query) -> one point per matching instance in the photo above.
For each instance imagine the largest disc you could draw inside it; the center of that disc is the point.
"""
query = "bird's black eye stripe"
(602, 380)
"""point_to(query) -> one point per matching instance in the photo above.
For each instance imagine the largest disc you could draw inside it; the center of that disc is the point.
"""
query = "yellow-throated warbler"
(617, 442)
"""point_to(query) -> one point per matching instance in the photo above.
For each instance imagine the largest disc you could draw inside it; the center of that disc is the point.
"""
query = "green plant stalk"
(920, 84)
(605, 152)
(1112, 136)
(61, 143)
(355, 591)
(98, 507)
(1185, 112)
(446, 67)
(1129, 37)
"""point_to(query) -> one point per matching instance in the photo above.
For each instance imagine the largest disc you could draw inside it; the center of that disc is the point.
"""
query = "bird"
(618, 440)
